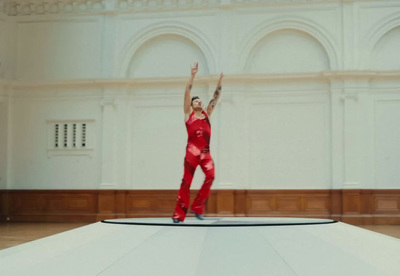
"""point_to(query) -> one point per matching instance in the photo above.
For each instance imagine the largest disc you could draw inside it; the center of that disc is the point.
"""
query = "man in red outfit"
(197, 150)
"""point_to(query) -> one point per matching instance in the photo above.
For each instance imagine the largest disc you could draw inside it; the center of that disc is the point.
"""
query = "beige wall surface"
(91, 93)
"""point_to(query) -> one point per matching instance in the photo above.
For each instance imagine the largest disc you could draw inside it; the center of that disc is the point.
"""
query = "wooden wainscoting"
(350, 206)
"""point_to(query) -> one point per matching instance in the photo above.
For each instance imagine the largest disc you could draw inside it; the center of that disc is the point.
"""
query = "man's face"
(197, 104)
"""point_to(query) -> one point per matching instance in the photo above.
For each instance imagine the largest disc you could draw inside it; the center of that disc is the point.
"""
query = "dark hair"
(194, 98)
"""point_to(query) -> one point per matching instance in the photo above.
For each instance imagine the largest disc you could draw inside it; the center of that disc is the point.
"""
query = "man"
(197, 151)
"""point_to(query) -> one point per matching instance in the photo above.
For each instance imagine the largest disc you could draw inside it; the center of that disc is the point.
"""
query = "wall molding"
(209, 79)
(295, 83)
(350, 206)
(43, 7)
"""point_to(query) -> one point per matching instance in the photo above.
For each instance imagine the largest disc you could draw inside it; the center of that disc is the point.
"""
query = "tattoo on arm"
(190, 87)
(211, 105)
(217, 91)
(214, 100)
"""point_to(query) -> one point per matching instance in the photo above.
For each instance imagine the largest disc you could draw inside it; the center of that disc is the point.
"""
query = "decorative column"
(224, 181)
(113, 150)
(108, 139)
(351, 139)
(109, 106)
(350, 105)
(3, 139)
(350, 35)
(355, 131)
(227, 40)
(109, 40)
(6, 106)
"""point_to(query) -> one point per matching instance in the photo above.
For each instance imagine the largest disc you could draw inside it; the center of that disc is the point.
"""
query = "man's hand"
(187, 100)
(195, 68)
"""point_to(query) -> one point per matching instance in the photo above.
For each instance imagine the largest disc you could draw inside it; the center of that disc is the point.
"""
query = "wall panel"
(166, 56)
(350, 206)
(158, 146)
(3, 32)
(3, 143)
(387, 146)
(385, 55)
(288, 144)
(59, 49)
(40, 167)
(288, 51)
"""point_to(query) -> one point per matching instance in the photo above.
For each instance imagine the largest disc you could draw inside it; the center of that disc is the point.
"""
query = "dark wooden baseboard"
(350, 206)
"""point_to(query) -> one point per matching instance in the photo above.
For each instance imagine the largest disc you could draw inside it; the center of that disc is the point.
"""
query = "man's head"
(197, 104)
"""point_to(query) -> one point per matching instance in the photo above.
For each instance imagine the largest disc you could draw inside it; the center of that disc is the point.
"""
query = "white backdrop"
(311, 97)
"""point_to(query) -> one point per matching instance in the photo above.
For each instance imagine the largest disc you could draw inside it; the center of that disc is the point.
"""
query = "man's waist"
(202, 149)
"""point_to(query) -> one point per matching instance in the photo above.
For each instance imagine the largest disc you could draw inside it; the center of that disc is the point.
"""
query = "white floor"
(121, 249)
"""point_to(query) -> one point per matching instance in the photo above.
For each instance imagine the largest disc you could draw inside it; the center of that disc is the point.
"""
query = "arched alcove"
(386, 54)
(287, 51)
(166, 55)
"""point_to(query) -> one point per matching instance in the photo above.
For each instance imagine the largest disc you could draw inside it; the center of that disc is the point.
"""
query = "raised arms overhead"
(187, 100)
(217, 94)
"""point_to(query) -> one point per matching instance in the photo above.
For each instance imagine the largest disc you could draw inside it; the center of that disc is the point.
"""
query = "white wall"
(2, 45)
(58, 49)
(3, 107)
(3, 144)
(287, 51)
(310, 99)
(150, 60)
(32, 164)
(387, 134)
(385, 55)
(289, 133)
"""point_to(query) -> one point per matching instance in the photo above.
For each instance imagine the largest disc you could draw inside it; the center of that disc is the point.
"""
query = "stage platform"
(214, 246)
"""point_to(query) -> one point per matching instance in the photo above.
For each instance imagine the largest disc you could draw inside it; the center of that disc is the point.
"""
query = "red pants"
(191, 162)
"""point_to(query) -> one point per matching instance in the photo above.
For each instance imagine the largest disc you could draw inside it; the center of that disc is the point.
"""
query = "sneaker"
(176, 220)
(198, 216)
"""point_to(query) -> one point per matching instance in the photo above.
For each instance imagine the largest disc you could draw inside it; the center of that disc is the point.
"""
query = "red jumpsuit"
(197, 153)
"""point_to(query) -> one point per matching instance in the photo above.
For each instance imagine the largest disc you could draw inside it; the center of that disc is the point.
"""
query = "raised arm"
(217, 94)
(187, 100)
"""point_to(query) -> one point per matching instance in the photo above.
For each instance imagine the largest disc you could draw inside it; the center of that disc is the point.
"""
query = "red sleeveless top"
(199, 134)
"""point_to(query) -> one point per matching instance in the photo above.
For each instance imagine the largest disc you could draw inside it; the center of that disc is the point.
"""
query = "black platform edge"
(219, 225)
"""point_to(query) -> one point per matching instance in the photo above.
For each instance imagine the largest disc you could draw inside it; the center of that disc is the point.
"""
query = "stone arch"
(166, 55)
(382, 45)
(294, 25)
(183, 35)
